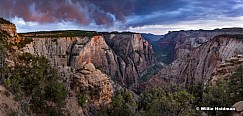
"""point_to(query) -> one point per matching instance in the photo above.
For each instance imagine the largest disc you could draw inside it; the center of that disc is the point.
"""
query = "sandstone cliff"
(200, 64)
(7, 103)
(177, 43)
(225, 69)
(8, 27)
(91, 82)
(97, 84)
(125, 57)
(135, 52)
(63, 54)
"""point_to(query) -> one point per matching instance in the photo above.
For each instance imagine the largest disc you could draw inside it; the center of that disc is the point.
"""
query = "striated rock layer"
(86, 61)
(225, 69)
(179, 43)
(199, 64)
(125, 57)
(135, 55)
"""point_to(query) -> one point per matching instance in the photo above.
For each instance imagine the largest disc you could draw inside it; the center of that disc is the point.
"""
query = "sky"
(143, 16)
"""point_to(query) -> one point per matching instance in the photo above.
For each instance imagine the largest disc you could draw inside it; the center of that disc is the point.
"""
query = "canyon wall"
(125, 57)
(176, 44)
(200, 64)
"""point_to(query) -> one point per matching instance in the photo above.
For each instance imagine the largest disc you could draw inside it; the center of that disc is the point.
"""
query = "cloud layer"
(82, 11)
(117, 14)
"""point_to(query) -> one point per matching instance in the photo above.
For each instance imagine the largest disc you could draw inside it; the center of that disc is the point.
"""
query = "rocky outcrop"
(72, 108)
(87, 61)
(238, 108)
(8, 27)
(68, 55)
(200, 64)
(125, 57)
(225, 69)
(178, 43)
(97, 85)
(54, 49)
(7, 103)
(135, 53)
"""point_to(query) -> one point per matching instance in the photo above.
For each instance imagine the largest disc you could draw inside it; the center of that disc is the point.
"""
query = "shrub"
(34, 78)
(23, 42)
(82, 98)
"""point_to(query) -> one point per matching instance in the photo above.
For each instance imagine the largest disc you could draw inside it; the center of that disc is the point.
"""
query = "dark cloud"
(172, 11)
(149, 6)
(128, 12)
(81, 11)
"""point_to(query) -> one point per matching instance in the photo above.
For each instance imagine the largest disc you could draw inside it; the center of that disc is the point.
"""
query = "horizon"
(156, 17)
(130, 31)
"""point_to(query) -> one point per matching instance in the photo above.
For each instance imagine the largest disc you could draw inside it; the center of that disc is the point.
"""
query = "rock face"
(200, 64)
(178, 43)
(225, 69)
(79, 77)
(54, 49)
(97, 84)
(8, 27)
(125, 57)
(68, 55)
(87, 62)
(238, 108)
(135, 54)
(7, 103)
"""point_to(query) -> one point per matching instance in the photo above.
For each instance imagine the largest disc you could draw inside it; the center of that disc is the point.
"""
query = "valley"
(77, 72)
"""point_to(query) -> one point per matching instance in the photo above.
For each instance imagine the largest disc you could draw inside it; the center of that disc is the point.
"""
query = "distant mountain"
(176, 44)
(206, 63)
(151, 37)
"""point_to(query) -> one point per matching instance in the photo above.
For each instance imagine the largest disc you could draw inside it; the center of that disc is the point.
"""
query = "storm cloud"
(81, 11)
(119, 14)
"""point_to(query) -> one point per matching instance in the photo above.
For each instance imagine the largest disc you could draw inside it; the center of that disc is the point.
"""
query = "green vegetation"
(177, 101)
(82, 98)
(34, 82)
(23, 42)
(164, 54)
(123, 104)
(217, 96)
(55, 34)
(68, 33)
(7, 83)
(224, 94)
(154, 102)
(150, 72)
(4, 45)
(235, 85)
(197, 91)
(157, 102)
